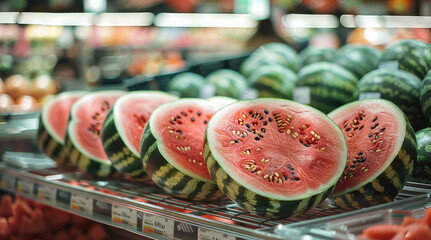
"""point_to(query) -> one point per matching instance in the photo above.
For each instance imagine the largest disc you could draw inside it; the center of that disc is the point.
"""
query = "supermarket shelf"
(146, 210)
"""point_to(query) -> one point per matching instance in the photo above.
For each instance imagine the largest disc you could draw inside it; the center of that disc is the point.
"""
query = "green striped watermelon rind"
(48, 141)
(228, 83)
(273, 81)
(412, 55)
(117, 147)
(256, 202)
(398, 86)
(166, 174)
(388, 182)
(330, 85)
(359, 59)
(79, 157)
(313, 54)
(422, 169)
(425, 96)
(186, 84)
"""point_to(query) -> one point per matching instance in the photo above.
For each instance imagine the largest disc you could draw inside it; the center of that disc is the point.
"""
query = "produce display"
(382, 153)
(274, 157)
(425, 96)
(172, 148)
(83, 141)
(122, 129)
(20, 94)
(411, 228)
(22, 218)
(422, 169)
(352, 145)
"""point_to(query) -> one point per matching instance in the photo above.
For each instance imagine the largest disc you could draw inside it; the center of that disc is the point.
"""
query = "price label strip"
(159, 225)
(124, 216)
(25, 187)
(45, 193)
(302, 95)
(81, 203)
(369, 95)
(205, 234)
(63, 197)
(8, 182)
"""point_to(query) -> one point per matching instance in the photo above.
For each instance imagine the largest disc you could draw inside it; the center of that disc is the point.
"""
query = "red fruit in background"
(182, 6)
(410, 220)
(21, 209)
(79, 221)
(382, 231)
(322, 6)
(56, 219)
(62, 235)
(5, 231)
(13, 225)
(6, 206)
(97, 232)
(33, 225)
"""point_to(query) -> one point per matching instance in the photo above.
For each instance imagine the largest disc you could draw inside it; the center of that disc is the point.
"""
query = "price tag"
(102, 208)
(24, 187)
(369, 95)
(159, 225)
(45, 193)
(205, 234)
(393, 64)
(302, 95)
(183, 230)
(126, 216)
(81, 203)
(63, 197)
(8, 182)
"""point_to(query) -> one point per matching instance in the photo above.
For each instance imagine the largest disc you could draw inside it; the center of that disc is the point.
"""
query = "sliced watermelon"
(172, 148)
(382, 152)
(83, 141)
(123, 127)
(6, 206)
(53, 124)
(274, 157)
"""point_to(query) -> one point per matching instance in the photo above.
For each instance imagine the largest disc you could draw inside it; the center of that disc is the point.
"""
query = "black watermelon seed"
(247, 125)
(199, 113)
(193, 119)
(375, 119)
(257, 138)
(263, 130)
(360, 153)
(265, 111)
(249, 129)
(205, 121)
(296, 178)
(260, 135)
(261, 118)
(265, 123)
(183, 113)
(307, 145)
(269, 119)
(250, 112)
(383, 129)
(370, 135)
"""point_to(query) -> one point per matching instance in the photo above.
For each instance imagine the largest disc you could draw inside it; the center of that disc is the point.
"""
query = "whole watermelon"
(422, 170)
(186, 84)
(228, 83)
(359, 59)
(397, 86)
(330, 85)
(411, 55)
(313, 54)
(425, 96)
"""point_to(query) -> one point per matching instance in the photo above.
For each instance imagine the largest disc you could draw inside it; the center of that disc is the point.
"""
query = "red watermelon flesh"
(87, 116)
(373, 135)
(133, 111)
(57, 112)
(180, 127)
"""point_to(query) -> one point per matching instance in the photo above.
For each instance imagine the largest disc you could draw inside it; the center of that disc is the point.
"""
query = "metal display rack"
(148, 211)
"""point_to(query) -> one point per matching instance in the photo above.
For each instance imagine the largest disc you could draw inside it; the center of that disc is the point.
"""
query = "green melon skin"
(186, 84)
(399, 87)
(413, 56)
(270, 54)
(273, 81)
(315, 54)
(228, 83)
(425, 96)
(122, 158)
(385, 187)
(422, 169)
(359, 59)
(330, 85)
(254, 202)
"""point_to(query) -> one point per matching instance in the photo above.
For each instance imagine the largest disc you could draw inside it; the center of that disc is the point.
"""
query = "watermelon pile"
(340, 126)
(27, 219)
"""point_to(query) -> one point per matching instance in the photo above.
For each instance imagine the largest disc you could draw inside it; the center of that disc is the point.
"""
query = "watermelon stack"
(422, 169)
(397, 86)
(425, 96)
(359, 59)
(330, 85)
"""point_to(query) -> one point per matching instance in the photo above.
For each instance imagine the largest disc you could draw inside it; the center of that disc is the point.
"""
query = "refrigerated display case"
(142, 209)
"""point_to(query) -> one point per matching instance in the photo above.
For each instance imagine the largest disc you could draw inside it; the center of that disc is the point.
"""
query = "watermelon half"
(172, 148)
(83, 141)
(274, 157)
(382, 152)
(53, 124)
(123, 127)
